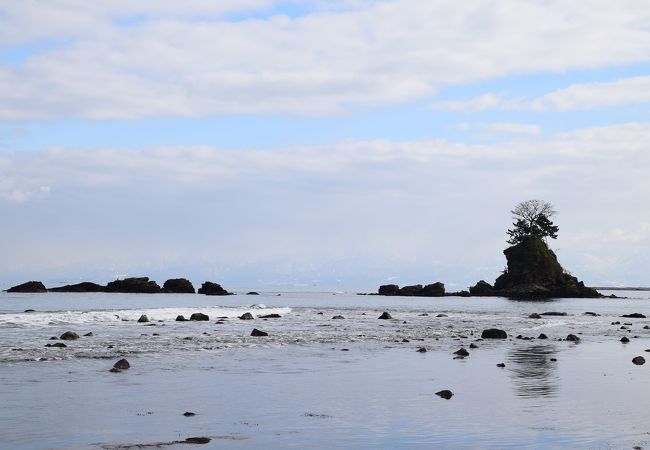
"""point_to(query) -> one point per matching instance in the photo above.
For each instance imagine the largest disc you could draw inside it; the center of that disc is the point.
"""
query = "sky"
(320, 145)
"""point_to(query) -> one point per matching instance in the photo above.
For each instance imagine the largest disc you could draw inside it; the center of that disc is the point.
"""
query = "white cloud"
(512, 128)
(596, 95)
(367, 53)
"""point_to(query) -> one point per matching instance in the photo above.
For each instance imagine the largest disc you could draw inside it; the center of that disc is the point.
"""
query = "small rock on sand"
(445, 393)
(258, 333)
(57, 345)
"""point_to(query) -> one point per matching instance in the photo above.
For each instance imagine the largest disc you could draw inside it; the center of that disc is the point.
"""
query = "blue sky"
(333, 145)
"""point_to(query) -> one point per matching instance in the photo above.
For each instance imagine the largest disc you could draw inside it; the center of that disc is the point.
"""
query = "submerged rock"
(140, 285)
(494, 333)
(445, 393)
(199, 317)
(57, 344)
(258, 333)
(534, 316)
(209, 288)
(385, 316)
(28, 287)
(69, 336)
(178, 286)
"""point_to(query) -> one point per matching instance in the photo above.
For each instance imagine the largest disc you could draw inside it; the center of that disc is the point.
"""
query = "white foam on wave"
(106, 316)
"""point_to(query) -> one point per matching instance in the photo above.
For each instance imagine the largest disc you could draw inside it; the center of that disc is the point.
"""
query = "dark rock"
(338, 317)
(616, 323)
(29, 311)
(57, 344)
(90, 333)
(624, 340)
(209, 288)
(258, 333)
(385, 316)
(421, 350)
(181, 318)
(638, 360)
(69, 336)
(85, 286)
(143, 319)
(122, 364)
(473, 345)
(494, 333)
(432, 290)
(441, 315)
(246, 316)
(140, 285)
(115, 370)
(634, 316)
(29, 287)
(646, 327)
(189, 414)
(482, 289)
(270, 316)
(200, 317)
(553, 359)
(53, 338)
(553, 313)
(533, 272)
(542, 336)
(178, 286)
(572, 338)
(197, 440)
(501, 365)
(388, 289)
(252, 293)
(589, 313)
(423, 315)
(445, 393)
(409, 291)
(534, 316)
(461, 352)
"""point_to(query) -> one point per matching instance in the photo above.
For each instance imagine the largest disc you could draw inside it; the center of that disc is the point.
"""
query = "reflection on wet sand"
(532, 371)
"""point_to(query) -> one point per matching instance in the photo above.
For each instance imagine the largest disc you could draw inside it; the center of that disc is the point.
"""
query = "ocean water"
(319, 382)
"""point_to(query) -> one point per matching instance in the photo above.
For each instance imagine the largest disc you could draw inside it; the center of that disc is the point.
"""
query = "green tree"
(532, 218)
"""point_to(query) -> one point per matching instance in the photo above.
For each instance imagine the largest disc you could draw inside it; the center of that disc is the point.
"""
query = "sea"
(320, 382)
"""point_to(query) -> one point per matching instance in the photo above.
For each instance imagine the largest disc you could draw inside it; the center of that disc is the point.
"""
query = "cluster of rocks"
(417, 290)
(134, 285)
(533, 272)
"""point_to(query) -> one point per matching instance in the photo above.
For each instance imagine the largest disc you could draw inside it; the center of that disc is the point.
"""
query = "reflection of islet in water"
(532, 369)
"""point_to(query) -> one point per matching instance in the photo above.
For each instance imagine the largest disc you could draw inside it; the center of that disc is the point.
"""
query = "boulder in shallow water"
(28, 287)
(638, 360)
(624, 340)
(534, 316)
(385, 316)
(69, 336)
(143, 319)
(246, 316)
(258, 333)
(178, 286)
(494, 333)
(461, 352)
(634, 316)
(210, 288)
(553, 313)
(338, 317)
(270, 316)
(572, 338)
(181, 318)
(199, 317)
(57, 344)
(122, 364)
(542, 336)
(445, 393)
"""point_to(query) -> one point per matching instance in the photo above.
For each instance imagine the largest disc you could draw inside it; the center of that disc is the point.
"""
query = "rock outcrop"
(416, 290)
(209, 288)
(29, 287)
(482, 289)
(140, 285)
(178, 286)
(85, 286)
(534, 272)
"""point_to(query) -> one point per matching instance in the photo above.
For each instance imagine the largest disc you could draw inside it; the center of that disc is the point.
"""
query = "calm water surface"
(318, 382)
